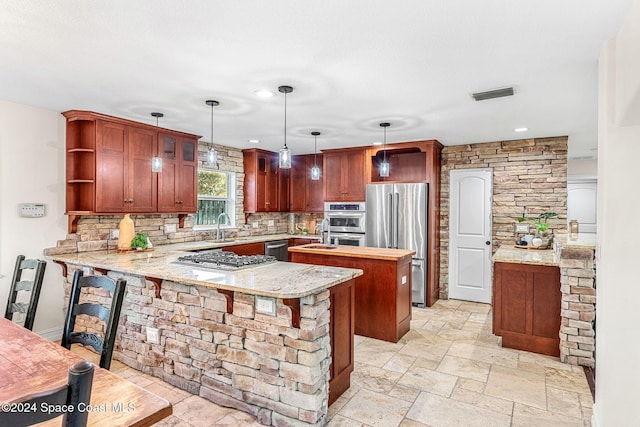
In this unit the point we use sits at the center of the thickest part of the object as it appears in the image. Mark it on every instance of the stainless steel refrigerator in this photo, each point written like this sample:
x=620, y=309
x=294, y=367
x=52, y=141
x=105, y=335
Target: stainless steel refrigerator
x=397, y=218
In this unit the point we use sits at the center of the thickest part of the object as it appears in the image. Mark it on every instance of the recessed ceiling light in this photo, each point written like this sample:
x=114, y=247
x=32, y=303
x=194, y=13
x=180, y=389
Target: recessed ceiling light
x=377, y=143
x=254, y=141
x=264, y=93
x=521, y=129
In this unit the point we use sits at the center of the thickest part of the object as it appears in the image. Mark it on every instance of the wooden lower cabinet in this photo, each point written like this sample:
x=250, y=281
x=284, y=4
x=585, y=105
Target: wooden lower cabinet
x=526, y=307
x=382, y=293
x=341, y=331
x=246, y=249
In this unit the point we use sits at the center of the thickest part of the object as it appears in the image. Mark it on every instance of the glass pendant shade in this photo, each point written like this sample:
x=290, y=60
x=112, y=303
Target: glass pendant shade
x=285, y=153
x=384, y=169
x=285, y=158
x=315, y=173
x=156, y=164
x=212, y=156
x=315, y=170
x=384, y=165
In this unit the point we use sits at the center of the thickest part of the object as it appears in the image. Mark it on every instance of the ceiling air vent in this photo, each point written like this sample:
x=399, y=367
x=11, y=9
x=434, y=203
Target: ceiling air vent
x=490, y=94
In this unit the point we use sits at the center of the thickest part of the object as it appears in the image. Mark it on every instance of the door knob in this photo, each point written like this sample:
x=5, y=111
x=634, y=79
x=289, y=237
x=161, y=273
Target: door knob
x=488, y=243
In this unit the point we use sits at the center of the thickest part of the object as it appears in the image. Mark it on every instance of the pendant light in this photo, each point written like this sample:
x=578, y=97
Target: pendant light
x=384, y=166
x=212, y=154
x=156, y=162
x=285, y=153
x=315, y=170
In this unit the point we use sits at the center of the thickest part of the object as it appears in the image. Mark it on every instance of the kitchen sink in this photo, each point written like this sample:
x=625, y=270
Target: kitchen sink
x=227, y=240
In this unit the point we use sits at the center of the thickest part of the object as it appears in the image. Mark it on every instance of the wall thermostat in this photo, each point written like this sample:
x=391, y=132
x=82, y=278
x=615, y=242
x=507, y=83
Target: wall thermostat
x=32, y=210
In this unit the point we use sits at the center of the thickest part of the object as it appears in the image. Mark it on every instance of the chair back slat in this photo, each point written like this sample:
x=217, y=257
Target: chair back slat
x=102, y=282
x=24, y=285
x=92, y=309
x=32, y=286
x=19, y=307
x=29, y=263
x=85, y=338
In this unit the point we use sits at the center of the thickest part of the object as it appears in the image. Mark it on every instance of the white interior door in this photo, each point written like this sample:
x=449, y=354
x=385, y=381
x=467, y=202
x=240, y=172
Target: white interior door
x=581, y=204
x=470, y=234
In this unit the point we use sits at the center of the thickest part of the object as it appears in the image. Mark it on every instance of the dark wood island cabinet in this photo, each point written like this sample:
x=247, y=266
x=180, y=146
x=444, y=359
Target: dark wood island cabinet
x=527, y=306
x=382, y=293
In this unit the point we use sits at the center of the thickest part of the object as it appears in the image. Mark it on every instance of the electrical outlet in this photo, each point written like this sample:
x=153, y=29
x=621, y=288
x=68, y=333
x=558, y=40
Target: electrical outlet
x=169, y=228
x=153, y=335
x=522, y=228
x=266, y=305
x=271, y=223
x=254, y=224
x=115, y=233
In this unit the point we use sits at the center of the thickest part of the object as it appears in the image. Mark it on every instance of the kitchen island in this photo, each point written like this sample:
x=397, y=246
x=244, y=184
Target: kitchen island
x=382, y=293
x=255, y=339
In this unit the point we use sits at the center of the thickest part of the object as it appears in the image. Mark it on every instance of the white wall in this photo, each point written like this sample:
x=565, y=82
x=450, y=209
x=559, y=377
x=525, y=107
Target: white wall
x=32, y=170
x=582, y=168
x=618, y=283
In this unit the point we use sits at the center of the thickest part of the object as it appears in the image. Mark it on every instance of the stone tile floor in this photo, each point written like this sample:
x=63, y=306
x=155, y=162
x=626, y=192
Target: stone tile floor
x=449, y=370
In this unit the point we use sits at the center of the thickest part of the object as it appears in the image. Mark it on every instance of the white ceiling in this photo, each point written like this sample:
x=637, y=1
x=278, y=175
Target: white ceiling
x=352, y=63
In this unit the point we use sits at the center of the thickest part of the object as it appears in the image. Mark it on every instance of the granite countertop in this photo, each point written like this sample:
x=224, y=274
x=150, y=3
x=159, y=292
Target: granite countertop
x=581, y=241
x=511, y=254
x=279, y=279
x=354, y=251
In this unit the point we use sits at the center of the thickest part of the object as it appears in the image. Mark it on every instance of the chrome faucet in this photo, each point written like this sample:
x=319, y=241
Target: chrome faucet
x=223, y=214
x=326, y=228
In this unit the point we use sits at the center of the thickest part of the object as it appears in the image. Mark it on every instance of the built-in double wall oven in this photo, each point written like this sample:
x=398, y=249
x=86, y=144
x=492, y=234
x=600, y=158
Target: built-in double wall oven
x=347, y=222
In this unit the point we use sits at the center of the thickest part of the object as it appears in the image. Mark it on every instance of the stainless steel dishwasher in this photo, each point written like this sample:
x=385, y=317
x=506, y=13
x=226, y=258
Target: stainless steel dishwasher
x=277, y=248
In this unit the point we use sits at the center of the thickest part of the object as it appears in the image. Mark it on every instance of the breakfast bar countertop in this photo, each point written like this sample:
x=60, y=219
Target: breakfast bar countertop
x=511, y=254
x=277, y=279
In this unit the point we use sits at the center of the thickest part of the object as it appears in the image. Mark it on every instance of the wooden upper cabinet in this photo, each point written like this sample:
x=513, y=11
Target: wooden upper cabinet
x=124, y=181
x=178, y=181
x=306, y=195
x=314, y=195
x=265, y=184
x=108, y=167
x=344, y=175
x=415, y=161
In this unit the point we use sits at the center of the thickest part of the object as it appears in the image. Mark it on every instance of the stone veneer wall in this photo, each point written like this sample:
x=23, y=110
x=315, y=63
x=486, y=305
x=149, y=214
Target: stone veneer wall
x=253, y=362
x=94, y=232
x=578, y=310
x=529, y=177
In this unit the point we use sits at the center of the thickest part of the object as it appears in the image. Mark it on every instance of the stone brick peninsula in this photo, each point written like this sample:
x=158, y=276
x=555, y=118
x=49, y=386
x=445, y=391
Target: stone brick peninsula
x=255, y=339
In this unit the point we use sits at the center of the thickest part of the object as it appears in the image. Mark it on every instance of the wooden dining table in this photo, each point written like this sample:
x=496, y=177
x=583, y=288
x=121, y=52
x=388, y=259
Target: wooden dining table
x=31, y=364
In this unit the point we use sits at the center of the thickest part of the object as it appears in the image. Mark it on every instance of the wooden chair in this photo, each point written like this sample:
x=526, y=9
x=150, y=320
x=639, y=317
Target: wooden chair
x=33, y=286
x=77, y=391
x=103, y=345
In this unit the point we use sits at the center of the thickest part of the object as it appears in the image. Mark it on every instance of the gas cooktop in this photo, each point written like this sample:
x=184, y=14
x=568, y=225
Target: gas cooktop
x=222, y=260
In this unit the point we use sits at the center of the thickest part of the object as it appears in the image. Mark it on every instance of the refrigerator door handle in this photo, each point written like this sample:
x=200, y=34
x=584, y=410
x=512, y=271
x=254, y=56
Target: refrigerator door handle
x=396, y=208
x=391, y=221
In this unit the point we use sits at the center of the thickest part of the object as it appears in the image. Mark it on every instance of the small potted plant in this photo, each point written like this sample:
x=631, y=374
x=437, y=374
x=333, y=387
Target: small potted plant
x=542, y=227
x=140, y=242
